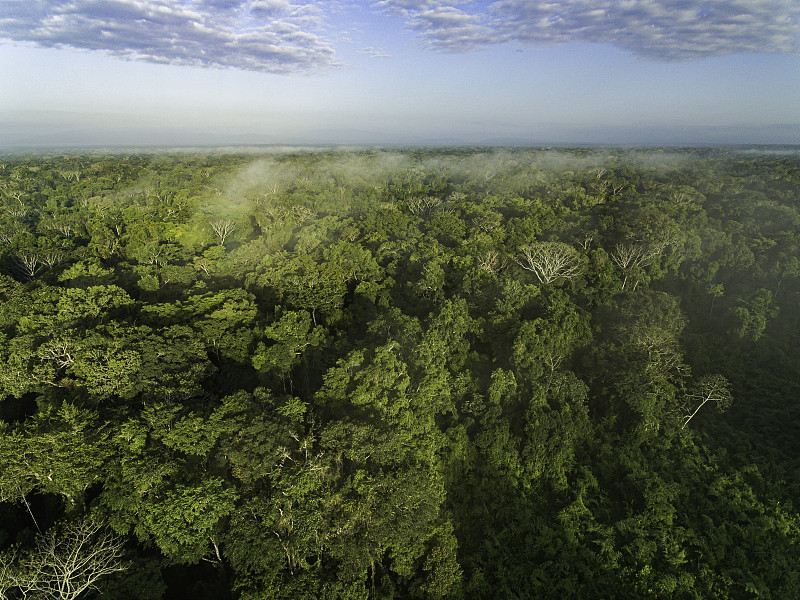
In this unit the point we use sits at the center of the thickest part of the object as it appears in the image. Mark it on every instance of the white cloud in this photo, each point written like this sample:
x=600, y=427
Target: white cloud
x=668, y=30
x=450, y=29
x=274, y=36
x=268, y=8
x=404, y=8
x=375, y=52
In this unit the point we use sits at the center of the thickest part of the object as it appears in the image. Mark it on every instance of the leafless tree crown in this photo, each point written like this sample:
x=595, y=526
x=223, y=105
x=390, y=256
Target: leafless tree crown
x=712, y=388
x=64, y=564
x=550, y=261
x=223, y=229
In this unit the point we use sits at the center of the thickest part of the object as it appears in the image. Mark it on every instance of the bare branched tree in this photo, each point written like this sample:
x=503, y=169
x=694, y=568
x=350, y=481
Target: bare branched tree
x=492, y=262
x=631, y=254
x=662, y=349
x=204, y=265
x=712, y=388
x=679, y=197
x=456, y=197
x=52, y=258
x=27, y=263
x=64, y=564
x=65, y=228
x=70, y=175
x=489, y=221
x=18, y=210
x=59, y=351
x=716, y=290
x=302, y=213
x=424, y=206
x=223, y=229
x=7, y=235
x=8, y=576
x=635, y=255
x=550, y=261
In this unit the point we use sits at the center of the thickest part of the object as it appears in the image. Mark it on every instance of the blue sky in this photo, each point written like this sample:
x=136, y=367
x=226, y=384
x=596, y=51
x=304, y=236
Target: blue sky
x=186, y=72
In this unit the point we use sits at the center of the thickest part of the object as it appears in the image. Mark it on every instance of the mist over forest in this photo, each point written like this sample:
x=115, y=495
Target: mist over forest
x=375, y=373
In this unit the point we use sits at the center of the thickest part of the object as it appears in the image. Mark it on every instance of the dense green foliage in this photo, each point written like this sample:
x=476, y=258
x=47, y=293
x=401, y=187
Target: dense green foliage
x=423, y=374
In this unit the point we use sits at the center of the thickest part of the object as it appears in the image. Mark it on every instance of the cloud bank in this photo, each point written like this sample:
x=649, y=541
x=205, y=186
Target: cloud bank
x=282, y=36
x=666, y=30
x=273, y=36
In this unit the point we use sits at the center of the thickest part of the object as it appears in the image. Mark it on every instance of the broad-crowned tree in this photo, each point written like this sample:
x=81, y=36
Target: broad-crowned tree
x=66, y=562
x=550, y=261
